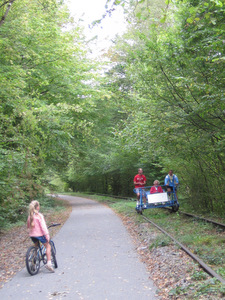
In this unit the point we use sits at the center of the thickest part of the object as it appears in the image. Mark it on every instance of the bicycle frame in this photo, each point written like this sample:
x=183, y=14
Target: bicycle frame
x=41, y=248
x=41, y=252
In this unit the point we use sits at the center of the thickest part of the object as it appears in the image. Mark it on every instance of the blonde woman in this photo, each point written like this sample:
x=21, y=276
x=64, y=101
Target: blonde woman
x=38, y=230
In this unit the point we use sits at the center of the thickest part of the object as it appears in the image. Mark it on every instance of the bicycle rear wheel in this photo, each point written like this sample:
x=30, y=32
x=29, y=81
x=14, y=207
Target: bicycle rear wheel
x=32, y=261
x=53, y=256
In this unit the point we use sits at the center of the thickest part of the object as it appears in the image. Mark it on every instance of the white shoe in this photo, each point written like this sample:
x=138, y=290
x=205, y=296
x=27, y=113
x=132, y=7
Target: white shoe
x=50, y=268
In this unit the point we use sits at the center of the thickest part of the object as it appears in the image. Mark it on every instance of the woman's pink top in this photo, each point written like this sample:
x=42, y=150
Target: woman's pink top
x=157, y=189
x=39, y=228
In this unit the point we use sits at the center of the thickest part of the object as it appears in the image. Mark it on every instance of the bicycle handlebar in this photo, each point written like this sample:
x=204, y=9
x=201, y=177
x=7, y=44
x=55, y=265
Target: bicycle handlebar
x=162, y=185
x=54, y=224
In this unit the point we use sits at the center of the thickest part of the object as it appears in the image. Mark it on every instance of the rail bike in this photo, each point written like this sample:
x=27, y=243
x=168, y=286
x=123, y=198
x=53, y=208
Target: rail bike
x=157, y=200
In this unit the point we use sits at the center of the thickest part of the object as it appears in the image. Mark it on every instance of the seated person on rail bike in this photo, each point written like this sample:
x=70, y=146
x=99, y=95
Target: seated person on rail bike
x=139, y=183
x=156, y=188
x=171, y=182
x=38, y=230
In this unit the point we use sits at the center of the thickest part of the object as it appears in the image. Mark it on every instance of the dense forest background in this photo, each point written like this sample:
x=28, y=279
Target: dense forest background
x=67, y=124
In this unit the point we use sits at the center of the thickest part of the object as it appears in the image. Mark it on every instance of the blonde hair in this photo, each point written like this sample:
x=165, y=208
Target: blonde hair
x=33, y=210
x=156, y=181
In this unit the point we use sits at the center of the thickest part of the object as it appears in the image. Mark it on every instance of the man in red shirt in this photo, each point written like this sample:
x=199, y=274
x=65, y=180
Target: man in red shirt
x=139, y=183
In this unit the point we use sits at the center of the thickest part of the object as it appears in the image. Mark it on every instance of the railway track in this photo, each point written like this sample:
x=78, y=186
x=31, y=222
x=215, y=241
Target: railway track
x=180, y=212
x=203, y=219
x=204, y=266
x=209, y=270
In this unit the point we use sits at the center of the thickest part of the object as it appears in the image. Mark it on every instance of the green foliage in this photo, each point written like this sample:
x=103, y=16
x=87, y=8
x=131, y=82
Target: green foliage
x=16, y=211
x=199, y=275
x=161, y=241
x=45, y=98
x=159, y=106
x=171, y=84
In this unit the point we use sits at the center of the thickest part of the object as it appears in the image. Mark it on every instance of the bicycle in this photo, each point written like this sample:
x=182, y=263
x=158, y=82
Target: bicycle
x=35, y=255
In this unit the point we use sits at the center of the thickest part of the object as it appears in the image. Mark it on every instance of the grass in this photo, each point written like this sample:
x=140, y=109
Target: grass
x=160, y=241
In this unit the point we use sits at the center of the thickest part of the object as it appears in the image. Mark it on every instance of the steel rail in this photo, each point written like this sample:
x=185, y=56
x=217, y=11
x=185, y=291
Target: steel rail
x=181, y=212
x=195, y=257
x=204, y=219
x=199, y=218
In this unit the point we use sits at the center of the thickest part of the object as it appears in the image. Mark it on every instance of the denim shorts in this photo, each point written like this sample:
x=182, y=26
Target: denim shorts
x=139, y=191
x=42, y=239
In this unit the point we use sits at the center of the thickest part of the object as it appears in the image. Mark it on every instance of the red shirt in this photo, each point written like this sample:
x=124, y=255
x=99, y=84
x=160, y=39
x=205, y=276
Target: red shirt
x=153, y=190
x=139, y=178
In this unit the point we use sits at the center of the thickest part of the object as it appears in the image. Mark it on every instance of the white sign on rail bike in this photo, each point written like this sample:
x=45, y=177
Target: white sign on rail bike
x=157, y=197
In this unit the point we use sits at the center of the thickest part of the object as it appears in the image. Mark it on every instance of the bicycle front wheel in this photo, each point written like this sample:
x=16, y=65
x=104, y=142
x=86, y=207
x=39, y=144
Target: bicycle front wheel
x=53, y=256
x=53, y=246
x=32, y=261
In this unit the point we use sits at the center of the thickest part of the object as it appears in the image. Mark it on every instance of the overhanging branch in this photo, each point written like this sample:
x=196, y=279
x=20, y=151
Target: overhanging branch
x=9, y=4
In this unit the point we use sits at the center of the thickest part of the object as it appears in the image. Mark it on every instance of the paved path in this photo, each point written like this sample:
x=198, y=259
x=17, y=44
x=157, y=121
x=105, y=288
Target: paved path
x=96, y=258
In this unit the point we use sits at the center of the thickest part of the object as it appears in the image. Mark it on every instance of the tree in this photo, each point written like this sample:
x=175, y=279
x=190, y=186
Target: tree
x=45, y=97
x=174, y=78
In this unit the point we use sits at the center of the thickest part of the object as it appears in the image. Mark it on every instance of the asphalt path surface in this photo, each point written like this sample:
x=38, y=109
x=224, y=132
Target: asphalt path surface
x=96, y=260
